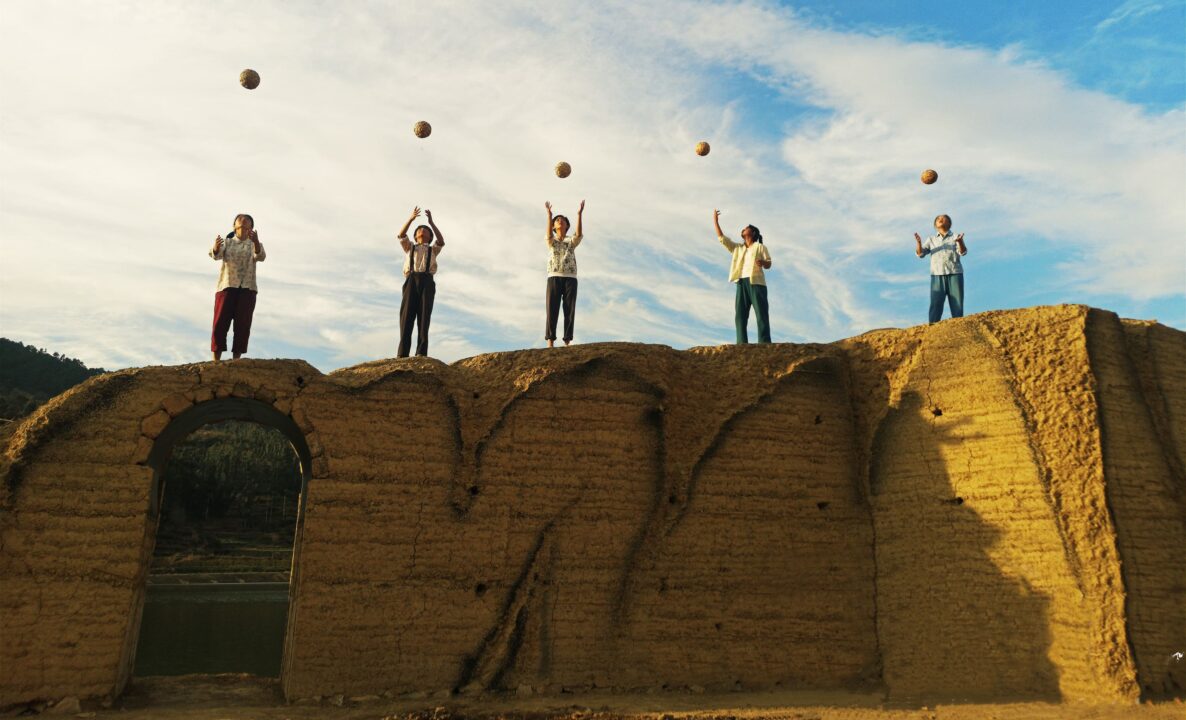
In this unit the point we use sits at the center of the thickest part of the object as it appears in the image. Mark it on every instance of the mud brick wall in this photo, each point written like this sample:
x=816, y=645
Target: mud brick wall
x=1142, y=429
x=990, y=507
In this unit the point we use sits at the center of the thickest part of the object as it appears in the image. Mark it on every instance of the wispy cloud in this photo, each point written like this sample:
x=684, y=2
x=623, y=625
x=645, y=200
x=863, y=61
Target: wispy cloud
x=127, y=145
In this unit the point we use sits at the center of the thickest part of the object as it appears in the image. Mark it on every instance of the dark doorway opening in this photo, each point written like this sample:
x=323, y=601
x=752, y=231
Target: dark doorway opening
x=229, y=490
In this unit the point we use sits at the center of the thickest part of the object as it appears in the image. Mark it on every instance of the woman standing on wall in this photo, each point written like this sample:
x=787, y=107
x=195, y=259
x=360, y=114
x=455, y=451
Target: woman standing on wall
x=947, y=272
x=234, y=300
x=562, y=274
x=420, y=287
x=746, y=271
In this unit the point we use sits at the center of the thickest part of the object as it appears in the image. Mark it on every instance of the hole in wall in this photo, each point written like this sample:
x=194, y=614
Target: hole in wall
x=480, y=589
x=474, y=490
x=823, y=504
x=229, y=504
x=477, y=395
x=717, y=626
x=818, y=419
x=955, y=501
x=300, y=381
x=936, y=412
x=671, y=499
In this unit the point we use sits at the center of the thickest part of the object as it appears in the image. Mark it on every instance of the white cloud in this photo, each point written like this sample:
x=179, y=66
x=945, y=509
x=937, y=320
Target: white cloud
x=127, y=144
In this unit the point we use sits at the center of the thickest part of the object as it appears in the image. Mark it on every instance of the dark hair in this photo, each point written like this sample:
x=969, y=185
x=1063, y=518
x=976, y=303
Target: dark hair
x=567, y=224
x=431, y=236
x=241, y=216
x=943, y=217
x=757, y=232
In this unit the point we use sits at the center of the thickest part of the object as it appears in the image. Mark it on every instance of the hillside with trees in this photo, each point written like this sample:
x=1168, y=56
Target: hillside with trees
x=29, y=376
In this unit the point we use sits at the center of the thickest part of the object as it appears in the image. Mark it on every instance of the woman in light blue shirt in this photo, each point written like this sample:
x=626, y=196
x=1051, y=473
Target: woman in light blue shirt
x=947, y=273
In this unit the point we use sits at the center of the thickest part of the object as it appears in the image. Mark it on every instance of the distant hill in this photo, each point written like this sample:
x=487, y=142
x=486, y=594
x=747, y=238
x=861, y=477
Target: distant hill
x=29, y=376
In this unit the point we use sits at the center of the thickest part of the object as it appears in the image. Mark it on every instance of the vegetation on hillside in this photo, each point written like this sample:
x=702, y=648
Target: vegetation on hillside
x=230, y=501
x=29, y=376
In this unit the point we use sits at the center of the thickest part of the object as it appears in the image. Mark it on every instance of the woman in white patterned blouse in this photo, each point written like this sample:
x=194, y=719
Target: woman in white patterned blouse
x=234, y=300
x=562, y=274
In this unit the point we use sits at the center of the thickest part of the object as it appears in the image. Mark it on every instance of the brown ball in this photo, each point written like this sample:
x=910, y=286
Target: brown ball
x=249, y=79
x=702, y=148
x=563, y=169
x=422, y=129
x=929, y=176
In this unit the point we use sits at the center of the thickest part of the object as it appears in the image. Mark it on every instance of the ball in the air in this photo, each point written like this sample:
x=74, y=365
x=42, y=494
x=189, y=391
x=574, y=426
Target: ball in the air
x=702, y=148
x=249, y=79
x=929, y=177
x=563, y=169
x=422, y=129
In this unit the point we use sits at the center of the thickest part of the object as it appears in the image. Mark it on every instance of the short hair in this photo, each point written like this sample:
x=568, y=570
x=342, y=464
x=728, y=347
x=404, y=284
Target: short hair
x=942, y=217
x=427, y=229
x=567, y=224
x=241, y=216
x=757, y=233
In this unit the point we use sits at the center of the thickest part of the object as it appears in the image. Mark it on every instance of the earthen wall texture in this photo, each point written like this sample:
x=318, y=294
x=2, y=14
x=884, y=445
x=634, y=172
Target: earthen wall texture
x=987, y=508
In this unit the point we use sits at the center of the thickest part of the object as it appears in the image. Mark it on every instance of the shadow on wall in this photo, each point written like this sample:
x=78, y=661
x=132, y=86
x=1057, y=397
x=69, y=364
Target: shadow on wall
x=952, y=626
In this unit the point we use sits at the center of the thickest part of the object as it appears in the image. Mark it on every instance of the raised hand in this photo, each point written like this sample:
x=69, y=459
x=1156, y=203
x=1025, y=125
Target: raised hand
x=581, y=209
x=959, y=238
x=217, y=243
x=428, y=214
x=548, y=205
x=415, y=212
x=917, y=237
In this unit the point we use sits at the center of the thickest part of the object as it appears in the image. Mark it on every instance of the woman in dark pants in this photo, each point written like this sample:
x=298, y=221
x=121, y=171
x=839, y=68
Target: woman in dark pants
x=420, y=289
x=562, y=274
x=234, y=300
x=747, y=271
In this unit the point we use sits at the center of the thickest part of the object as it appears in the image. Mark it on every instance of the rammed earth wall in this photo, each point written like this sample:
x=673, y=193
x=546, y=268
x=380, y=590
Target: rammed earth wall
x=990, y=507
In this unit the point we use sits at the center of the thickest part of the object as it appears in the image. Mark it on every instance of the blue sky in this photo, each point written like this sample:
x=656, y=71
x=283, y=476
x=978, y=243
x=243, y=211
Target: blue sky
x=126, y=144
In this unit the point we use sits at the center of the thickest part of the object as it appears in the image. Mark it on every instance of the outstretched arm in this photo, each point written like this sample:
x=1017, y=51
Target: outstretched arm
x=435, y=230
x=548, y=205
x=576, y=239
x=403, y=233
x=716, y=222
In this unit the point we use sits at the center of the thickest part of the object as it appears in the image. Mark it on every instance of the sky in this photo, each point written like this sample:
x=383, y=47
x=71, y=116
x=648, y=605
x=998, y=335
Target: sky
x=127, y=144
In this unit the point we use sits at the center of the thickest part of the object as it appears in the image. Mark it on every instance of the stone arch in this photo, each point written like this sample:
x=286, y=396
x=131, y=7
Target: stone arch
x=181, y=426
x=221, y=410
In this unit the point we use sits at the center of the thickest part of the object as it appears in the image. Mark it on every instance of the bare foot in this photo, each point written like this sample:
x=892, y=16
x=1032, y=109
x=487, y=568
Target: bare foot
x=217, y=356
x=551, y=343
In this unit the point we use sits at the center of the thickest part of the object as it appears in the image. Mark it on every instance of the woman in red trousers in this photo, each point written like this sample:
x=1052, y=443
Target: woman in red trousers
x=234, y=301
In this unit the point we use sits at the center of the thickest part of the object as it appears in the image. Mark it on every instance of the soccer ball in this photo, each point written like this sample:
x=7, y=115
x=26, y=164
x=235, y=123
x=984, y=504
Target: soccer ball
x=702, y=148
x=422, y=129
x=929, y=177
x=249, y=79
x=563, y=169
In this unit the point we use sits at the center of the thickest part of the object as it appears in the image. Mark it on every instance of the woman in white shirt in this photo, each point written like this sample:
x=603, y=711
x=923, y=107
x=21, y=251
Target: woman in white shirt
x=420, y=287
x=562, y=274
x=746, y=271
x=234, y=300
x=947, y=272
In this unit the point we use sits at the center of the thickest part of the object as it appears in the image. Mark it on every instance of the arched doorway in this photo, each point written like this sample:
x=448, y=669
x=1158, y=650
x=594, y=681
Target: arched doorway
x=216, y=611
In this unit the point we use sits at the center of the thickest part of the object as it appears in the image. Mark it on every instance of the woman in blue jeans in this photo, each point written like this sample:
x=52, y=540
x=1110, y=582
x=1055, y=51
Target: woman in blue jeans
x=947, y=273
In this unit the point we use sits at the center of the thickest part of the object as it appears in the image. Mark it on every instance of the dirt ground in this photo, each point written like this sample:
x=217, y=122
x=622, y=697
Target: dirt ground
x=233, y=697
